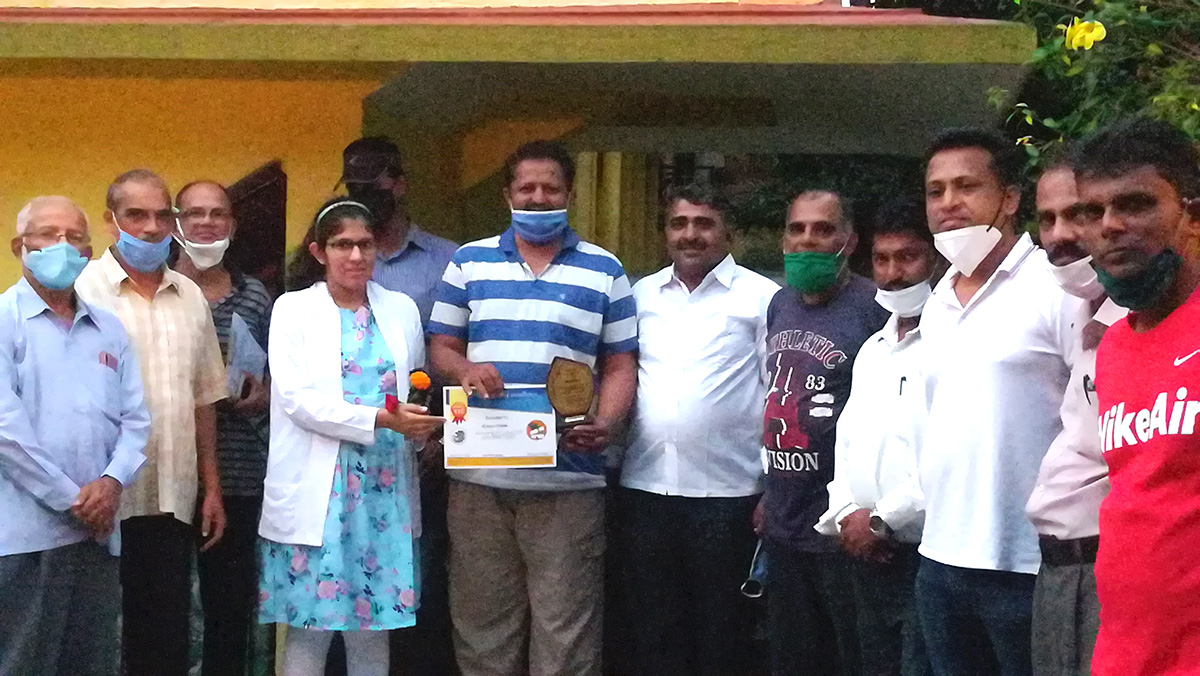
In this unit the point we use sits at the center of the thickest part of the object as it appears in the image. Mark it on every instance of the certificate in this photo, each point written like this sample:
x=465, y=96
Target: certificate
x=516, y=429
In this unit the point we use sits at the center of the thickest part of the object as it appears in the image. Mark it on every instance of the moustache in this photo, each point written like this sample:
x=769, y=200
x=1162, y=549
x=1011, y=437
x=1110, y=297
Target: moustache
x=1066, y=252
x=539, y=206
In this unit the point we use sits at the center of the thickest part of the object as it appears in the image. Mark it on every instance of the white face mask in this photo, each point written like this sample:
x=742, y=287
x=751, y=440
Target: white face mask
x=1078, y=278
x=204, y=256
x=966, y=248
x=907, y=302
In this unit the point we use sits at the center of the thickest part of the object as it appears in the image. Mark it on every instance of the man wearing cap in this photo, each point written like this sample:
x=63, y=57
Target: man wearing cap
x=411, y=261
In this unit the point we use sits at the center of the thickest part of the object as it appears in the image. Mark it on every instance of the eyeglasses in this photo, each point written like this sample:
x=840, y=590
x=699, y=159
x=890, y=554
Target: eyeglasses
x=366, y=246
x=199, y=214
x=163, y=216
x=48, y=237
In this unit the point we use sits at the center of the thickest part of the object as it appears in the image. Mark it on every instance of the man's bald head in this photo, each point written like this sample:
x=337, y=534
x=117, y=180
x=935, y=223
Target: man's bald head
x=46, y=221
x=835, y=203
x=115, y=194
x=39, y=205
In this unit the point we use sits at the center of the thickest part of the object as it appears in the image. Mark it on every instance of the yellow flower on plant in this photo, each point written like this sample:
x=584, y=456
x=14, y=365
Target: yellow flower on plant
x=1084, y=34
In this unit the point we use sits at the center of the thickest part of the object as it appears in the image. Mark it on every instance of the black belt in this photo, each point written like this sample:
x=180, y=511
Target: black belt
x=1057, y=552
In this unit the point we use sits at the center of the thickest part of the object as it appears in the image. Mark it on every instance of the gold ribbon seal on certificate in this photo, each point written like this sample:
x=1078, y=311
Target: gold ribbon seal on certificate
x=570, y=388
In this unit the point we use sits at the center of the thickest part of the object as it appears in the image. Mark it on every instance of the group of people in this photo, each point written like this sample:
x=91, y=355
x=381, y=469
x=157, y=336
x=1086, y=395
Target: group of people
x=947, y=469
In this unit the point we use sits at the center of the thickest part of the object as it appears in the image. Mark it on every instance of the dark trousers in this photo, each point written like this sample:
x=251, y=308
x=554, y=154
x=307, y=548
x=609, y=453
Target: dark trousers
x=59, y=611
x=427, y=649
x=888, y=629
x=229, y=588
x=687, y=560
x=975, y=621
x=617, y=624
x=810, y=603
x=156, y=555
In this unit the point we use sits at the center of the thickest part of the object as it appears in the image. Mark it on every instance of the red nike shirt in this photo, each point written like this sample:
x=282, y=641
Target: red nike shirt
x=1148, y=568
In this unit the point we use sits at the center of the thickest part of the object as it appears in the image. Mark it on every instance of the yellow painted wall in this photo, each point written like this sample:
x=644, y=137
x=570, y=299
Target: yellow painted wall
x=72, y=135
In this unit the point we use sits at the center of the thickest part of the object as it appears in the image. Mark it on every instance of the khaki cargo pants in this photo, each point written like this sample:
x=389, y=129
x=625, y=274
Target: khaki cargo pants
x=526, y=580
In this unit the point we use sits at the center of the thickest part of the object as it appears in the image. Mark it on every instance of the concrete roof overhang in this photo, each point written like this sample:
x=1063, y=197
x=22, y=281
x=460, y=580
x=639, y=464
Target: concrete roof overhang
x=752, y=77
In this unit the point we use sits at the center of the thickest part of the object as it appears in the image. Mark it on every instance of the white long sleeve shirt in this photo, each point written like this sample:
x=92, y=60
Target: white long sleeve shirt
x=1073, y=480
x=879, y=437
x=995, y=371
x=697, y=422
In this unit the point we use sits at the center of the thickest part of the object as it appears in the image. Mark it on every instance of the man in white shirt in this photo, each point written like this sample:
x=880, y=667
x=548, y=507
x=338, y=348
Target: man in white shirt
x=692, y=474
x=875, y=504
x=999, y=339
x=1073, y=481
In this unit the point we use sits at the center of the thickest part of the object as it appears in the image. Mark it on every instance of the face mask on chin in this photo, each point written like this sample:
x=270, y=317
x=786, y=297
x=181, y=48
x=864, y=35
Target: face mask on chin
x=966, y=248
x=1078, y=278
x=204, y=256
x=141, y=255
x=1141, y=290
x=906, y=302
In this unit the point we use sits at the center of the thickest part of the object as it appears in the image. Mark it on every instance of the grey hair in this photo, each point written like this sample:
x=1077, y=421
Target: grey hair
x=25, y=215
x=845, y=205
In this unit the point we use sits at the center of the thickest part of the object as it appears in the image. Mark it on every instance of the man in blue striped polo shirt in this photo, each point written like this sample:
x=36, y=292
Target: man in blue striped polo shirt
x=526, y=545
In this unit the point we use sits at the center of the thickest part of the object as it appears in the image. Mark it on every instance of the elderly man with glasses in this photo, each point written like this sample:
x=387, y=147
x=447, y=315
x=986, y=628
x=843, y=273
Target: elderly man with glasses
x=73, y=425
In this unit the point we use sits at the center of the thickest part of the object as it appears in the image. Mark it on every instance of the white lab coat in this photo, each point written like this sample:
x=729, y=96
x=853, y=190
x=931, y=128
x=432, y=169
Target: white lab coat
x=309, y=416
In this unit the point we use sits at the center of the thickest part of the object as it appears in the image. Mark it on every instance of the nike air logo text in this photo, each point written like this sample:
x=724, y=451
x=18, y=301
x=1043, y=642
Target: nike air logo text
x=1180, y=360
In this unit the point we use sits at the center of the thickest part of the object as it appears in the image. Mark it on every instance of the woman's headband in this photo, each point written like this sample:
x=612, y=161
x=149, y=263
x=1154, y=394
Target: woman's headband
x=342, y=203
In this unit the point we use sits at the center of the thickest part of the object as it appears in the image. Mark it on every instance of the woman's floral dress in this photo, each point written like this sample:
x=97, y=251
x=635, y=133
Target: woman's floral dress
x=363, y=576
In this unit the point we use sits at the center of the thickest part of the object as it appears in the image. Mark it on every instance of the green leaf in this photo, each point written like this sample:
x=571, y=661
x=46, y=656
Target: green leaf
x=1153, y=49
x=1050, y=123
x=1075, y=70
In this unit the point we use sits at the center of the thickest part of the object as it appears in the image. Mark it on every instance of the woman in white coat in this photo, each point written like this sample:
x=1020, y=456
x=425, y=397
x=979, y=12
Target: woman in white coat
x=338, y=544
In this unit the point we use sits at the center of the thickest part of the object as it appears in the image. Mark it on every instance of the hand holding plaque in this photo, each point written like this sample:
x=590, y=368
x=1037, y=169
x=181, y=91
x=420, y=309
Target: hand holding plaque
x=571, y=389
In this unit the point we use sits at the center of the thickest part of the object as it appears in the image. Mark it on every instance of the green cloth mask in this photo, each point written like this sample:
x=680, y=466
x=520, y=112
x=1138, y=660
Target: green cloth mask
x=1143, y=289
x=811, y=271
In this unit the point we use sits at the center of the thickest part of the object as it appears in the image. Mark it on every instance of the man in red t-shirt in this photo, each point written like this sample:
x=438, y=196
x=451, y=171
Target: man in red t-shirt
x=1139, y=192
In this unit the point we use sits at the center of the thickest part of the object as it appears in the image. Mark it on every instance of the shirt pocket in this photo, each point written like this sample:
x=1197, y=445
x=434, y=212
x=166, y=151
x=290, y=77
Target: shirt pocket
x=736, y=342
x=101, y=380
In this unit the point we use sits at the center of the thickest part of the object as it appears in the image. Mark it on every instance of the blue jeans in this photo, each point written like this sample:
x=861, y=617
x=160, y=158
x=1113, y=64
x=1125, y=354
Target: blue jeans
x=975, y=621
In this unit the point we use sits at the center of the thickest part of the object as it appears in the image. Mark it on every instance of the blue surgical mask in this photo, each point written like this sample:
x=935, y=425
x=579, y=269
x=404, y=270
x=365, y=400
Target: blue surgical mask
x=539, y=227
x=54, y=267
x=143, y=256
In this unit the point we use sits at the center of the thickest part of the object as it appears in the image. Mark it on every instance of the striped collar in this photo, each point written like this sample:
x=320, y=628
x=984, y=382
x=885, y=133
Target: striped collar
x=508, y=242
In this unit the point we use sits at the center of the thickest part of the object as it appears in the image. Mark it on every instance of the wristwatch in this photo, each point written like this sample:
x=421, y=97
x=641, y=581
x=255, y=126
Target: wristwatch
x=879, y=528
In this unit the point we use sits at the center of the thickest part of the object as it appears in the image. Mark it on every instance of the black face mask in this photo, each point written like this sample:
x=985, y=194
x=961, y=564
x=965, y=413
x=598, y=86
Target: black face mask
x=382, y=203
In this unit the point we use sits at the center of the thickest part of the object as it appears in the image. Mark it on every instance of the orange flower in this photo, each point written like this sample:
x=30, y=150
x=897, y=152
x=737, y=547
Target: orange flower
x=419, y=380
